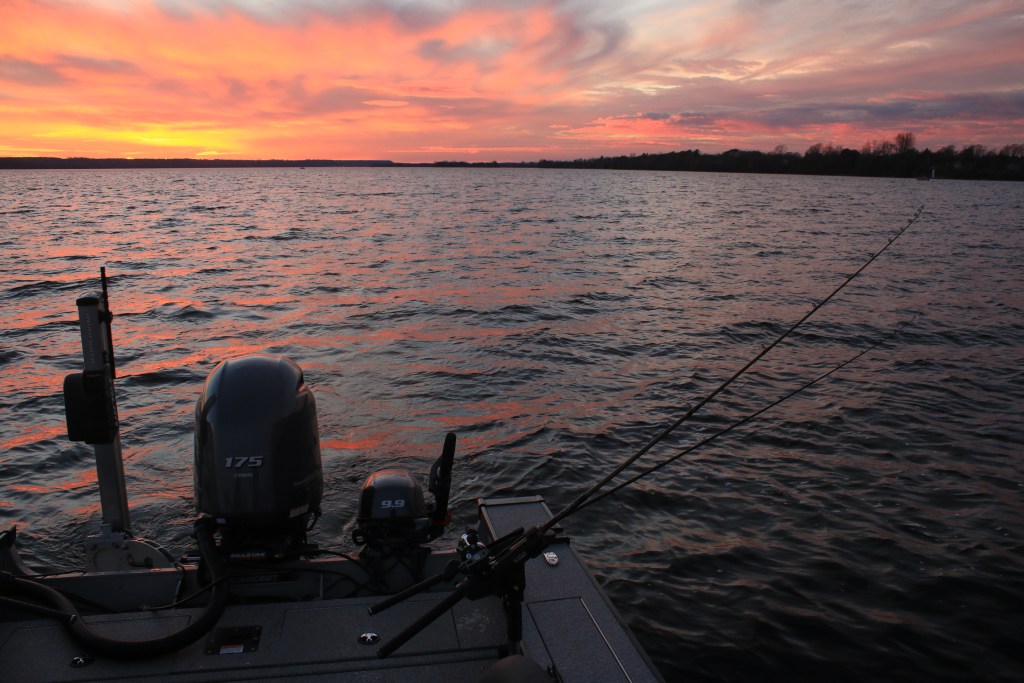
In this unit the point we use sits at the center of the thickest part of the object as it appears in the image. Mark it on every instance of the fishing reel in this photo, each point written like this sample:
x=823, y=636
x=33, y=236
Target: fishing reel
x=394, y=517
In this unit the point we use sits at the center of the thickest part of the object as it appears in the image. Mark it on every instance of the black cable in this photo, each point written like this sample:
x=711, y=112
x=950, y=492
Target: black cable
x=342, y=576
x=134, y=649
x=187, y=598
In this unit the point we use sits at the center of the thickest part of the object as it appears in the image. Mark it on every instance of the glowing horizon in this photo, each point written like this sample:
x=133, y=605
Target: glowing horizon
x=500, y=80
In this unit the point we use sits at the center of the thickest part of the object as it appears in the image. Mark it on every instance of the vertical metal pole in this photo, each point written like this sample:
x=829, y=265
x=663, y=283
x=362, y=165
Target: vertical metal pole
x=97, y=352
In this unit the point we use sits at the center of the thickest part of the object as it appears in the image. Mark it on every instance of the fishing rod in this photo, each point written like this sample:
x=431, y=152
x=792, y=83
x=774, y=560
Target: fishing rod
x=739, y=423
x=595, y=488
x=498, y=568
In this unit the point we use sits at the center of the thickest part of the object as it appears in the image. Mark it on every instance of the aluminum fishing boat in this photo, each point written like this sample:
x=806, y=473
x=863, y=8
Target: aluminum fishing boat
x=510, y=601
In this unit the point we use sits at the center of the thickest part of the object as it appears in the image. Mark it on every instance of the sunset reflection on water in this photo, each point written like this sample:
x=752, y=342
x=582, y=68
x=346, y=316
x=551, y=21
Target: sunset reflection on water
x=556, y=321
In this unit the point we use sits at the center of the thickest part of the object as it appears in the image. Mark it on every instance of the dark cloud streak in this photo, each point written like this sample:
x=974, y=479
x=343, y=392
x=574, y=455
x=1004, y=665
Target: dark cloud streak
x=975, y=107
x=30, y=73
x=110, y=66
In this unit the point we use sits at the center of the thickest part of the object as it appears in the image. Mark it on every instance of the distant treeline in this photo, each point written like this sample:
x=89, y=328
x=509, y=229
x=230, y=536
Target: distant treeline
x=83, y=162
x=892, y=158
x=898, y=158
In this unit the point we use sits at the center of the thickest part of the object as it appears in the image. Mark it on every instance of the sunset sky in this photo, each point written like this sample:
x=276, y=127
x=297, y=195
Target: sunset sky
x=506, y=80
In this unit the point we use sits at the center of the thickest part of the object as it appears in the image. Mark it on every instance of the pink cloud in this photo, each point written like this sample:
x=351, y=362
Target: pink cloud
x=516, y=80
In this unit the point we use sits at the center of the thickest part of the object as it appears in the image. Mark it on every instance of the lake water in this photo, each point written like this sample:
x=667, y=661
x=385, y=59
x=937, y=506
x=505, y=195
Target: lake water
x=869, y=529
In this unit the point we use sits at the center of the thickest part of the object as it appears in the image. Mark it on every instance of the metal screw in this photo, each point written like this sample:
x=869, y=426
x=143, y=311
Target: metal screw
x=81, y=660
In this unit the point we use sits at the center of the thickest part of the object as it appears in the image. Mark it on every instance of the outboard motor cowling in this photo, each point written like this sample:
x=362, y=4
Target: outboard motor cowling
x=392, y=512
x=394, y=518
x=257, y=449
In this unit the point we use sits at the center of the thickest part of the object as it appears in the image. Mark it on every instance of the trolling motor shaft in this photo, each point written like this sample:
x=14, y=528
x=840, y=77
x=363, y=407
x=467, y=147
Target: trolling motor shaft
x=90, y=408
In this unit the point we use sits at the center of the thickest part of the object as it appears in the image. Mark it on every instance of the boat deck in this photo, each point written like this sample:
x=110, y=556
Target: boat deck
x=569, y=626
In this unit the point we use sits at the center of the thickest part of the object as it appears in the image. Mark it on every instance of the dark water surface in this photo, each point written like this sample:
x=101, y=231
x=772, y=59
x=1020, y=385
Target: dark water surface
x=869, y=529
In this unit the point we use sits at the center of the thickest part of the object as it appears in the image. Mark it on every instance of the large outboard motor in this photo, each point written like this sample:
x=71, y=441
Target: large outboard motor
x=257, y=454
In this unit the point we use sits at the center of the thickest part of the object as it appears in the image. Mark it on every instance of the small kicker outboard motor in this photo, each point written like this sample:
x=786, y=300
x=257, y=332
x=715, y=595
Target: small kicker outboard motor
x=393, y=517
x=257, y=455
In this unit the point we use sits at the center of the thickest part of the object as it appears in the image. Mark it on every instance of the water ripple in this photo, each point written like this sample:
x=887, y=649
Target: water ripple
x=868, y=530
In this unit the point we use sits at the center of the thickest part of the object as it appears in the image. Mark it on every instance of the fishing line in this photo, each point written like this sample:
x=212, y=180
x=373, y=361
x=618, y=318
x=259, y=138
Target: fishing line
x=595, y=488
x=740, y=423
x=500, y=568
x=14, y=603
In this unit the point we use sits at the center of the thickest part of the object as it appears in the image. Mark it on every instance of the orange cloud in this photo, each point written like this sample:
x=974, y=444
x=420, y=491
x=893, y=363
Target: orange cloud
x=510, y=79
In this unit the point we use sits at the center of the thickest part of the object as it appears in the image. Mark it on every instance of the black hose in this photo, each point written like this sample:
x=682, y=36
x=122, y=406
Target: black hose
x=138, y=649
